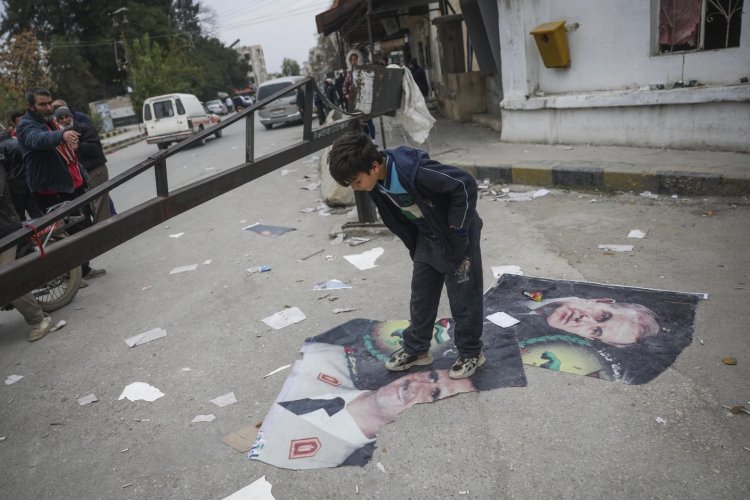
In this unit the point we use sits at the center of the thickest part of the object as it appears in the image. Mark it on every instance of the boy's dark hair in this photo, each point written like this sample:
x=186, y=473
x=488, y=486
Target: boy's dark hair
x=351, y=155
x=35, y=91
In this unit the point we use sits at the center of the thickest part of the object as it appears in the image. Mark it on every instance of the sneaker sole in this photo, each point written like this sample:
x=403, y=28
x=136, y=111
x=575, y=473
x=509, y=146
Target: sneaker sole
x=459, y=376
x=419, y=362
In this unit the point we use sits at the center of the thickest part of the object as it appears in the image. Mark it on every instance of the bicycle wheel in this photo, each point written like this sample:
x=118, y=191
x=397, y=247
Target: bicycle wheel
x=60, y=291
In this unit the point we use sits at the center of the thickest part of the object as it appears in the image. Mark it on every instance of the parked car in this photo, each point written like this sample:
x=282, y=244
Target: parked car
x=173, y=117
x=242, y=101
x=282, y=110
x=216, y=106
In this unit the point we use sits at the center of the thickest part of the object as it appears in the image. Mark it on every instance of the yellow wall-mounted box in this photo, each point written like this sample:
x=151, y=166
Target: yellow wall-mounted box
x=553, y=44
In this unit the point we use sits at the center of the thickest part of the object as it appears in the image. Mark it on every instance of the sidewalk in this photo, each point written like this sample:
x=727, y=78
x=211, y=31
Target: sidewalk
x=126, y=136
x=665, y=171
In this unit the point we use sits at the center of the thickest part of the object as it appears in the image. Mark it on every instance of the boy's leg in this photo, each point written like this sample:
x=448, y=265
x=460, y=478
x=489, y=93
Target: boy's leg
x=426, y=287
x=466, y=296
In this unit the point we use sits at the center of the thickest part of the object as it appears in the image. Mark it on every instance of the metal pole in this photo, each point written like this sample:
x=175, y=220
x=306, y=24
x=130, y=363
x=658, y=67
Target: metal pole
x=250, y=138
x=162, y=184
x=307, y=118
x=369, y=29
x=382, y=132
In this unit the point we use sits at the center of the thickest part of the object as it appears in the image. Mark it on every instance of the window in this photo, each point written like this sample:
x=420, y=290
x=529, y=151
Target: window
x=163, y=109
x=688, y=25
x=180, y=107
x=146, y=112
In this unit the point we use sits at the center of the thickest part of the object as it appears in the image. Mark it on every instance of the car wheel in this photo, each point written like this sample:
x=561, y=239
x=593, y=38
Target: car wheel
x=268, y=126
x=218, y=134
x=162, y=145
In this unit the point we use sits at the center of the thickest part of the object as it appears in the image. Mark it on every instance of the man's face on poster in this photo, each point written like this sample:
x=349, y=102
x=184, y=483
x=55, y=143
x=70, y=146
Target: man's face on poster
x=599, y=319
x=419, y=387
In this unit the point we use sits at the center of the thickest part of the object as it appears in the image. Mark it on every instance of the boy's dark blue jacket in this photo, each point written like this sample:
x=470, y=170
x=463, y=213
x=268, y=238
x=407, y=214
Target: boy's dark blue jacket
x=446, y=195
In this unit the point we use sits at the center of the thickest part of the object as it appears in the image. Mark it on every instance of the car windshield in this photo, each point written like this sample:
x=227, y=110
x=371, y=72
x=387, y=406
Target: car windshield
x=267, y=90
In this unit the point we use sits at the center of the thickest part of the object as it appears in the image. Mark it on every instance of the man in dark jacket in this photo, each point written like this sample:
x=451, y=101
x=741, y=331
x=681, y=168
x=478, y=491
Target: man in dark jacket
x=91, y=155
x=420, y=77
x=431, y=207
x=77, y=115
x=27, y=305
x=53, y=172
x=23, y=199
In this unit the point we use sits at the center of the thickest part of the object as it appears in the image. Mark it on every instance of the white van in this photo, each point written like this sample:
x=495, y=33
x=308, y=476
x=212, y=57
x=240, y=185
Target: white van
x=174, y=117
x=282, y=110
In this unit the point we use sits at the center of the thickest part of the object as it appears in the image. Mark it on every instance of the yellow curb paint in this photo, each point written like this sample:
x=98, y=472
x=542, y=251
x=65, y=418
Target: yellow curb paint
x=532, y=175
x=630, y=181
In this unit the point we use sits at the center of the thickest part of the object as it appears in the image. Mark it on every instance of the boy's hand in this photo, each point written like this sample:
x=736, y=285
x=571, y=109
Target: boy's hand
x=462, y=271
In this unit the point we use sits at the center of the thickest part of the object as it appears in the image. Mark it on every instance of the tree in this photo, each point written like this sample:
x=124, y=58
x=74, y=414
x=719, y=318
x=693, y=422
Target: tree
x=23, y=64
x=154, y=70
x=222, y=70
x=289, y=67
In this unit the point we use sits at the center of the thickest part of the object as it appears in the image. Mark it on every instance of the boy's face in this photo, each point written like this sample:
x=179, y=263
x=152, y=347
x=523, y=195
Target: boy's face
x=366, y=181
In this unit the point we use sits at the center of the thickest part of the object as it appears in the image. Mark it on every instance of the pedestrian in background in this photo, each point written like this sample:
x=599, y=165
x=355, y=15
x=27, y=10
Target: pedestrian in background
x=420, y=77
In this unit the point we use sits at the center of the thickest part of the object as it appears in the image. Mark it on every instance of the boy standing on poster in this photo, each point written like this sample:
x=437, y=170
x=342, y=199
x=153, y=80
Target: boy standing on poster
x=432, y=208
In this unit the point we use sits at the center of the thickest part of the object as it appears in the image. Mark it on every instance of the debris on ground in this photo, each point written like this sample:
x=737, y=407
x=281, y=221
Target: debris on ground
x=87, y=399
x=737, y=409
x=344, y=310
x=176, y=235
x=284, y=318
x=535, y=296
x=380, y=467
x=203, y=418
x=365, y=260
x=184, y=269
x=502, y=319
x=498, y=271
x=710, y=213
x=330, y=285
x=660, y=420
x=142, y=338
x=636, y=233
x=224, y=400
x=257, y=490
x=356, y=241
x=729, y=361
x=616, y=248
x=313, y=254
x=265, y=230
x=277, y=370
x=12, y=379
x=259, y=269
x=60, y=324
x=141, y=391
x=649, y=194
x=242, y=439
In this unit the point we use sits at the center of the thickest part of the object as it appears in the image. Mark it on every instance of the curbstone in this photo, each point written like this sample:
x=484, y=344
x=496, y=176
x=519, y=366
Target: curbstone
x=577, y=175
x=689, y=183
x=533, y=175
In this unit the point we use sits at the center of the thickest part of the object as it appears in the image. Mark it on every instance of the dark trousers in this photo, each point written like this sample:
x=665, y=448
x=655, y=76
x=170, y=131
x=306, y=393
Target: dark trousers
x=48, y=200
x=24, y=201
x=465, y=295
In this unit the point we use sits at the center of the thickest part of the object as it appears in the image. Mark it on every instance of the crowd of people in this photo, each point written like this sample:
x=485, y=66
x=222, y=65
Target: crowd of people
x=50, y=154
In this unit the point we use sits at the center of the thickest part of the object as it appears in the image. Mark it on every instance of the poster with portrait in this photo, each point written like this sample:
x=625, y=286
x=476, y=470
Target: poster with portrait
x=615, y=333
x=339, y=394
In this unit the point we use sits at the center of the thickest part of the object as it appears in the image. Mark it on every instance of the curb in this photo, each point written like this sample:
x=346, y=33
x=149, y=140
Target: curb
x=612, y=177
x=114, y=146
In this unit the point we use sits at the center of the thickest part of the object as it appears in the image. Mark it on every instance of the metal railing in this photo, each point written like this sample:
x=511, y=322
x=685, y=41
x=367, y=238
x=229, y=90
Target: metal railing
x=28, y=273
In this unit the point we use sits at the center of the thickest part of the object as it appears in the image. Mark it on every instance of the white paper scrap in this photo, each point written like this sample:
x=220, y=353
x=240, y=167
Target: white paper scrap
x=281, y=319
x=649, y=194
x=636, y=233
x=539, y=193
x=258, y=490
x=277, y=370
x=617, y=248
x=182, y=269
x=380, y=467
x=87, y=399
x=224, y=400
x=141, y=391
x=176, y=235
x=660, y=420
x=207, y=262
x=330, y=285
x=340, y=310
x=498, y=271
x=60, y=324
x=12, y=379
x=142, y=338
x=502, y=319
x=203, y=418
x=365, y=260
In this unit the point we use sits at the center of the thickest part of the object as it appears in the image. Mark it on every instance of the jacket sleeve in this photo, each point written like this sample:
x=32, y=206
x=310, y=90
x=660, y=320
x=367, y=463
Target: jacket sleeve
x=32, y=137
x=460, y=188
x=89, y=144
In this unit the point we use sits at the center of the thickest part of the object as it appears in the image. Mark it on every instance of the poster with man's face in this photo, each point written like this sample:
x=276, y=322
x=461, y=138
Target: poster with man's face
x=340, y=393
x=616, y=333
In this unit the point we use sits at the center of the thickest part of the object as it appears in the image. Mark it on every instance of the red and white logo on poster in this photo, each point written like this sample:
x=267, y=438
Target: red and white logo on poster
x=328, y=379
x=304, y=448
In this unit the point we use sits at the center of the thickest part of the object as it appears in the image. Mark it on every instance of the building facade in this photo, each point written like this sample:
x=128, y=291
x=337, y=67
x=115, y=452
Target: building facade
x=257, y=73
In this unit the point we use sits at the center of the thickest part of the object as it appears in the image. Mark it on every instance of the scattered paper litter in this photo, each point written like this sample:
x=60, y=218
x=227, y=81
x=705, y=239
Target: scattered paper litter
x=203, y=418
x=3, y=438
x=12, y=379
x=207, y=262
x=340, y=310
x=87, y=399
x=141, y=391
x=58, y=325
x=224, y=400
x=259, y=269
x=502, y=319
x=284, y=318
x=312, y=186
x=330, y=285
x=498, y=271
x=365, y=260
x=356, y=241
x=176, y=235
x=649, y=194
x=636, y=233
x=147, y=287
x=142, y=338
x=617, y=248
x=182, y=269
x=660, y=420
x=287, y=171
x=186, y=369
x=277, y=370
x=539, y=193
x=380, y=467
x=258, y=490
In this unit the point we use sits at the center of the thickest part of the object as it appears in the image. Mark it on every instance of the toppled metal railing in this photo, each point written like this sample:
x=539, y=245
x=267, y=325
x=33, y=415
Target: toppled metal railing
x=382, y=95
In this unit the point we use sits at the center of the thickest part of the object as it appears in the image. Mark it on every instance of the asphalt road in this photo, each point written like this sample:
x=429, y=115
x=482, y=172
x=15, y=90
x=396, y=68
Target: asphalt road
x=562, y=436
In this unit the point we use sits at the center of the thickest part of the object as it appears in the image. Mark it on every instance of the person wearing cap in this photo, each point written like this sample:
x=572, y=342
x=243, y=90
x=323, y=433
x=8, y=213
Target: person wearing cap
x=91, y=155
x=77, y=115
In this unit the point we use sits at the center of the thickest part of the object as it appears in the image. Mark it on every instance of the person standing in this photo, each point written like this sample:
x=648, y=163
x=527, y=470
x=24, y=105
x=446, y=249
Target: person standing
x=420, y=77
x=431, y=207
x=91, y=155
x=27, y=305
x=23, y=200
x=53, y=172
x=79, y=117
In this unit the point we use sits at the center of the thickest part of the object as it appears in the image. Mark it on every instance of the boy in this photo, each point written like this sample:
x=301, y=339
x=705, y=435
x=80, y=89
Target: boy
x=432, y=208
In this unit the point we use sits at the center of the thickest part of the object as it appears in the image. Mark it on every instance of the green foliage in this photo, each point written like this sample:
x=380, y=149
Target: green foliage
x=154, y=70
x=71, y=75
x=23, y=64
x=289, y=67
x=220, y=67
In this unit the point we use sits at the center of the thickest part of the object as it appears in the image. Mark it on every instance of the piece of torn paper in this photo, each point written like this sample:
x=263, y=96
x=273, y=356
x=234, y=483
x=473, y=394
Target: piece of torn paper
x=60, y=324
x=356, y=241
x=330, y=285
x=265, y=230
x=636, y=233
x=258, y=490
x=539, y=193
x=183, y=269
x=87, y=399
x=498, y=271
x=142, y=338
x=259, y=269
x=502, y=319
x=340, y=310
x=141, y=391
x=281, y=319
x=176, y=235
x=224, y=400
x=277, y=370
x=242, y=440
x=616, y=248
x=12, y=379
x=365, y=260
x=203, y=418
